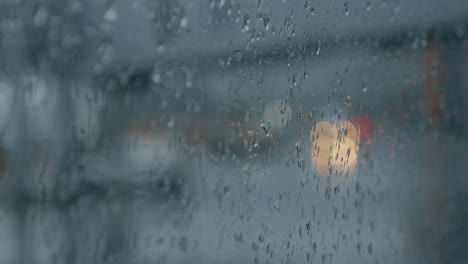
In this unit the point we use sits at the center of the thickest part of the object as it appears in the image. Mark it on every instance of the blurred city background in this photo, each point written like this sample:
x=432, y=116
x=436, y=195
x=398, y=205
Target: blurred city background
x=233, y=131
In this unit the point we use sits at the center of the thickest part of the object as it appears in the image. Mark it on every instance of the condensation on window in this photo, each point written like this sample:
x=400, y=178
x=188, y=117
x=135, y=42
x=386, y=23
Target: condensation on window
x=222, y=131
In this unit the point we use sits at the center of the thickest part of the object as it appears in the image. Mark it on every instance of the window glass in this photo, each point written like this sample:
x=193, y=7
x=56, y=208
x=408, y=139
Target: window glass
x=222, y=131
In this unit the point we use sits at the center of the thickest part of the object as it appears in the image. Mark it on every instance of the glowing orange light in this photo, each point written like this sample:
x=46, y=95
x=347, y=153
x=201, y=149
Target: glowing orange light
x=335, y=147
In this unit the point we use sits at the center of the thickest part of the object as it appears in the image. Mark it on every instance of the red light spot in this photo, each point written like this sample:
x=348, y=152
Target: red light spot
x=364, y=124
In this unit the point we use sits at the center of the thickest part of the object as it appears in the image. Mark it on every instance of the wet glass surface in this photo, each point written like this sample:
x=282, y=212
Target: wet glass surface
x=221, y=131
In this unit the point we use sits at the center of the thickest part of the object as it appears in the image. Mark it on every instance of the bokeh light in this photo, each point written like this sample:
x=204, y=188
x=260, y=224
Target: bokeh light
x=335, y=147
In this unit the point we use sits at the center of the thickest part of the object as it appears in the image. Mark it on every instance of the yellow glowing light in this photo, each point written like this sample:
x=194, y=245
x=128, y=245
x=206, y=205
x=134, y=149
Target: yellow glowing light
x=335, y=147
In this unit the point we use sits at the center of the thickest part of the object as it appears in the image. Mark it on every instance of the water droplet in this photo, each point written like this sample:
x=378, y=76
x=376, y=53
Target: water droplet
x=255, y=246
x=156, y=77
x=184, y=22
x=276, y=205
x=266, y=23
x=106, y=52
x=261, y=238
x=221, y=3
x=312, y=10
x=41, y=17
x=111, y=14
x=346, y=9
x=237, y=55
x=246, y=24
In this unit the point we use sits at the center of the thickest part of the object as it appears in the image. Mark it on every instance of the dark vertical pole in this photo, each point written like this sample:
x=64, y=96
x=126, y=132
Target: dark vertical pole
x=454, y=108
